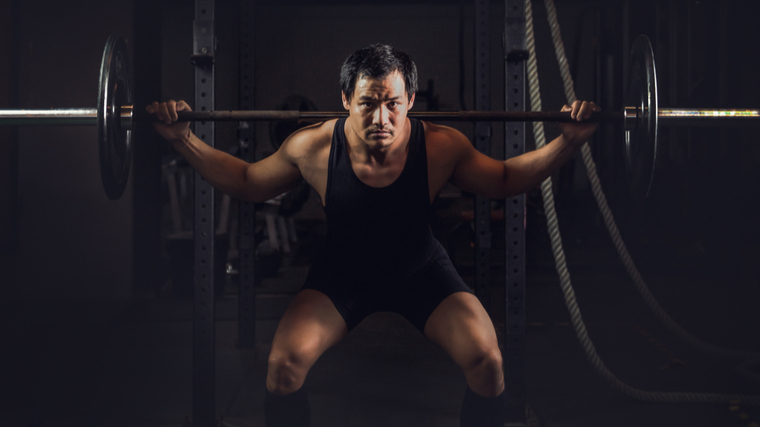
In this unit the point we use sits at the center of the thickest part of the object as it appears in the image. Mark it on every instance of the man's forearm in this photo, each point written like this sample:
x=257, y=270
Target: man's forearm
x=224, y=172
x=528, y=170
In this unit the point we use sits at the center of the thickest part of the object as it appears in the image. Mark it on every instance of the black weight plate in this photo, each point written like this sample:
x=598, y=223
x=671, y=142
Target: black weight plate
x=641, y=142
x=114, y=136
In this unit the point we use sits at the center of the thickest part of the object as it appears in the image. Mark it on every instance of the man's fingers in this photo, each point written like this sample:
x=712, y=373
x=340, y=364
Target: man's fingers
x=167, y=111
x=574, y=109
x=163, y=113
x=182, y=106
x=591, y=108
x=585, y=111
x=155, y=108
x=582, y=110
x=171, y=107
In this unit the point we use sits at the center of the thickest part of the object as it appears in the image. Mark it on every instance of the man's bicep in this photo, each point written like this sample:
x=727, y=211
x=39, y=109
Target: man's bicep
x=480, y=174
x=272, y=176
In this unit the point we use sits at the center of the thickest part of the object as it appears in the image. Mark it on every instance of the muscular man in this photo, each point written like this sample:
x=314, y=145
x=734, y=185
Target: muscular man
x=377, y=172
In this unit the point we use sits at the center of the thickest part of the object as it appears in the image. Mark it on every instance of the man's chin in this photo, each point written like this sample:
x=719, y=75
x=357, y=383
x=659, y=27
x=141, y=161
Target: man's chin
x=380, y=143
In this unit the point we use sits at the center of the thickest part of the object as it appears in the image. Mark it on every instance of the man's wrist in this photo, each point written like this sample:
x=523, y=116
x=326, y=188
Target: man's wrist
x=571, y=141
x=183, y=141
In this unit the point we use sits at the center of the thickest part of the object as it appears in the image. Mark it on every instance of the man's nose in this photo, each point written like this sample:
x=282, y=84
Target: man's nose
x=381, y=115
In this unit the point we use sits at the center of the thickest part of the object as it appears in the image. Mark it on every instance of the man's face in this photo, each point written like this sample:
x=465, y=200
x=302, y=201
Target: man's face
x=377, y=110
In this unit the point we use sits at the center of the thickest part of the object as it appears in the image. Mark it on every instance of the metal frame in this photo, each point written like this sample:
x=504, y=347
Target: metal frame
x=516, y=56
x=204, y=387
x=246, y=210
x=483, y=144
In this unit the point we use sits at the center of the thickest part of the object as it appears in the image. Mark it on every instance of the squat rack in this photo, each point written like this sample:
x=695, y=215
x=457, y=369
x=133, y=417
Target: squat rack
x=515, y=54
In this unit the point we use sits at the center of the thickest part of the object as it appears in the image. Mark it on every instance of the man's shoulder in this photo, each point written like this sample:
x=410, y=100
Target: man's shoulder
x=443, y=137
x=310, y=139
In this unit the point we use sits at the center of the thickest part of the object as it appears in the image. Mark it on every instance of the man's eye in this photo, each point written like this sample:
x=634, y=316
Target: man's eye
x=393, y=104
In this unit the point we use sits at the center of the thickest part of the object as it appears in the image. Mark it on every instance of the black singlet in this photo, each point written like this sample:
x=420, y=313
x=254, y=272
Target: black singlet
x=379, y=252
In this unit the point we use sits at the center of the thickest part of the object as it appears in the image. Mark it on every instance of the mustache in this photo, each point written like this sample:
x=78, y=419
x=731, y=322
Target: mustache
x=387, y=130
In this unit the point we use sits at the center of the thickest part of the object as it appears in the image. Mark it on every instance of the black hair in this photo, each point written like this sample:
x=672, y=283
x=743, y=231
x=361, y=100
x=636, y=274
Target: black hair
x=378, y=61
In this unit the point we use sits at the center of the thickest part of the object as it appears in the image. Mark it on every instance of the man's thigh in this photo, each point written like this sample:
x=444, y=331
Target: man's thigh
x=311, y=324
x=461, y=326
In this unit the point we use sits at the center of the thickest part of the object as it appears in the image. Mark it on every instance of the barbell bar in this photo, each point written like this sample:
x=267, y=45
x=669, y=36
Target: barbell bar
x=115, y=117
x=89, y=116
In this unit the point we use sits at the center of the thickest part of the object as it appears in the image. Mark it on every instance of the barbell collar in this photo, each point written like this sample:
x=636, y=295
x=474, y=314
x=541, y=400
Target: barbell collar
x=126, y=114
x=630, y=118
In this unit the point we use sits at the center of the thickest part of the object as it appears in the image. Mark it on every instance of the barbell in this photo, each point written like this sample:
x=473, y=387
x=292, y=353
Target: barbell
x=115, y=117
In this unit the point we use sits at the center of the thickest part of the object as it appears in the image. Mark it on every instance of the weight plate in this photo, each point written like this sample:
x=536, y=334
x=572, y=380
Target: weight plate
x=641, y=142
x=114, y=134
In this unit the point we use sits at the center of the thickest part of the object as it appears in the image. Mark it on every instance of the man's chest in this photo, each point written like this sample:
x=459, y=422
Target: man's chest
x=316, y=172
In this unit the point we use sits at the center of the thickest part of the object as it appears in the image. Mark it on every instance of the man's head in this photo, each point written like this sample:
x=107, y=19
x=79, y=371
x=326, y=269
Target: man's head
x=378, y=85
x=377, y=61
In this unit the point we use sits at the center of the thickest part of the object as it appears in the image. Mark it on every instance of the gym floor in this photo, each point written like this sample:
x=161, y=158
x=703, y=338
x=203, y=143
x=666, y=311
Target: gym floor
x=129, y=363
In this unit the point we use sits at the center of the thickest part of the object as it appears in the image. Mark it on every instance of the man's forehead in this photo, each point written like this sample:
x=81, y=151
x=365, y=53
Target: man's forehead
x=390, y=86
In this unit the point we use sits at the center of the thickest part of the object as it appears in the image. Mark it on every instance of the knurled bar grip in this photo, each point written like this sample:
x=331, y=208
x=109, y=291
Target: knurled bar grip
x=83, y=116
x=89, y=116
x=494, y=116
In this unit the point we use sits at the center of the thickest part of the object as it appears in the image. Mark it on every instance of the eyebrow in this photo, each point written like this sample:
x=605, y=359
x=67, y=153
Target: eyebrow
x=369, y=98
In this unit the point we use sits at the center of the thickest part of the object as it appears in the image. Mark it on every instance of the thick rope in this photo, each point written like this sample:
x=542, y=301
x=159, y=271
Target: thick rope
x=559, y=256
x=609, y=221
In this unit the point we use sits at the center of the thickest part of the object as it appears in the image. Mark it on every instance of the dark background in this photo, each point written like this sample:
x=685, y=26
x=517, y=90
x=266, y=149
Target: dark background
x=67, y=252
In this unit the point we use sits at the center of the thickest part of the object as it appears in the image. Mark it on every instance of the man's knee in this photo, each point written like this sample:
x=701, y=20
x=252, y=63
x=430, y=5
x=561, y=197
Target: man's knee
x=485, y=361
x=484, y=372
x=287, y=371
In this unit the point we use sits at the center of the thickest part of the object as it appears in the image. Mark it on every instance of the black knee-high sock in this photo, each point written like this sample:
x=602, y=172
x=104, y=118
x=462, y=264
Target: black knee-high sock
x=290, y=410
x=479, y=411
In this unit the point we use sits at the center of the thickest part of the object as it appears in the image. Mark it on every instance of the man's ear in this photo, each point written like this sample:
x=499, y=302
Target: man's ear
x=346, y=102
x=411, y=101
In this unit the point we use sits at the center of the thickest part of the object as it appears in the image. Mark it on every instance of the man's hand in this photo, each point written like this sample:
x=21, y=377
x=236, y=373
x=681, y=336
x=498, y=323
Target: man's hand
x=580, y=132
x=178, y=133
